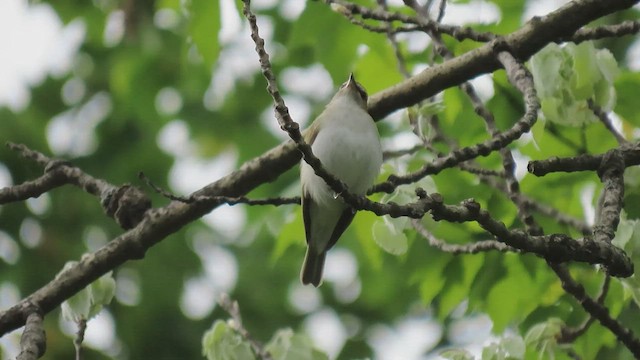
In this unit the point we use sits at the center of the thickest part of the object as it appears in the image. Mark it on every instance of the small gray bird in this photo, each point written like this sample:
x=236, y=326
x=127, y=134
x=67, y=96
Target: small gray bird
x=345, y=139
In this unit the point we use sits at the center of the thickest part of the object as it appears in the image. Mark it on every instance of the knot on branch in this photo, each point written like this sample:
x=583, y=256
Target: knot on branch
x=615, y=260
x=603, y=233
x=437, y=199
x=290, y=127
x=126, y=204
x=437, y=206
x=55, y=164
x=472, y=206
x=612, y=165
x=499, y=45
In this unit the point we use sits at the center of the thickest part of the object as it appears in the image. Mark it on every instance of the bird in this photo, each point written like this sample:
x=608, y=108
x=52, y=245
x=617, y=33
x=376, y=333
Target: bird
x=346, y=140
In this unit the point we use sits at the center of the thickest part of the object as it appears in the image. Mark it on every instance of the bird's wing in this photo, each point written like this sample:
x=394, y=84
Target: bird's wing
x=311, y=133
x=306, y=213
x=342, y=224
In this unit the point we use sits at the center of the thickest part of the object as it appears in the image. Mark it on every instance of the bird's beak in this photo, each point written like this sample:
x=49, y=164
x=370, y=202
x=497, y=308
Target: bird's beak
x=351, y=83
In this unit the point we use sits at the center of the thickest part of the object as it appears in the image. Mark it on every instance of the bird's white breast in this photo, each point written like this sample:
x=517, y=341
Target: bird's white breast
x=348, y=145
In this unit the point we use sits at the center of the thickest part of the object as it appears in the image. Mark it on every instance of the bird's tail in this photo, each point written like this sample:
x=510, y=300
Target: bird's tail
x=312, y=267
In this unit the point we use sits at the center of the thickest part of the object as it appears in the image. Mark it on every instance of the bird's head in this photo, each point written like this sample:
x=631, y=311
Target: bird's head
x=355, y=91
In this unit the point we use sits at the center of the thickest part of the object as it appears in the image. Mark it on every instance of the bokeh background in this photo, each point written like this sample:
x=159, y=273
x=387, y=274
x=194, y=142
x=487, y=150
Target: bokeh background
x=173, y=88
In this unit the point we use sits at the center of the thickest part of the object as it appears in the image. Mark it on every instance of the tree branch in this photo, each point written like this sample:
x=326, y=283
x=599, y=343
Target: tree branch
x=630, y=155
x=33, y=342
x=126, y=204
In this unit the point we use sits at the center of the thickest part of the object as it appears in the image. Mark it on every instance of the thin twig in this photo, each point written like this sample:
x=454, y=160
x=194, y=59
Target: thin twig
x=569, y=334
x=606, y=121
x=457, y=32
x=597, y=310
x=472, y=248
x=77, y=342
x=193, y=198
x=628, y=27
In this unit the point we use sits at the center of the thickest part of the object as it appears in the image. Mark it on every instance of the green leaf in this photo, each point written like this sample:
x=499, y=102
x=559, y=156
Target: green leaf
x=287, y=345
x=388, y=234
x=607, y=65
x=624, y=232
x=222, y=342
x=513, y=297
x=509, y=347
x=204, y=25
x=628, y=238
x=627, y=86
x=545, y=68
x=492, y=352
x=514, y=346
x=77, y=308
x=542, y=337
x=101, y=293
x=566, y=77
x=288, y=226
x=585, y=71
x=89, y=301
x=457, y=354
x=431, y=279
x=362, y=224
x=337, y=47
x=457, y=289
x=432, y=108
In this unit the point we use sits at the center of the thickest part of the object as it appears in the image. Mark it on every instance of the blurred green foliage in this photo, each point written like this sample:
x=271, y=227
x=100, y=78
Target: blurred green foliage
x=518, y=292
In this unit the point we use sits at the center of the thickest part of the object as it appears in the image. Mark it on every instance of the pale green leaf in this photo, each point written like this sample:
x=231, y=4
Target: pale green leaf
x=604, y=95
x=566, y=77
x=457, y=354
x=543, y=336
x=492, y=352
x=432, y=108
x=387, y=235
x=77, y=307
x=222, y=342
x=101, y=293
x=287, y=345
x=625, y=230
x=607, y=65
x=89, y=301
x=585, y=70
x=514, y=346
x=545, y=68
